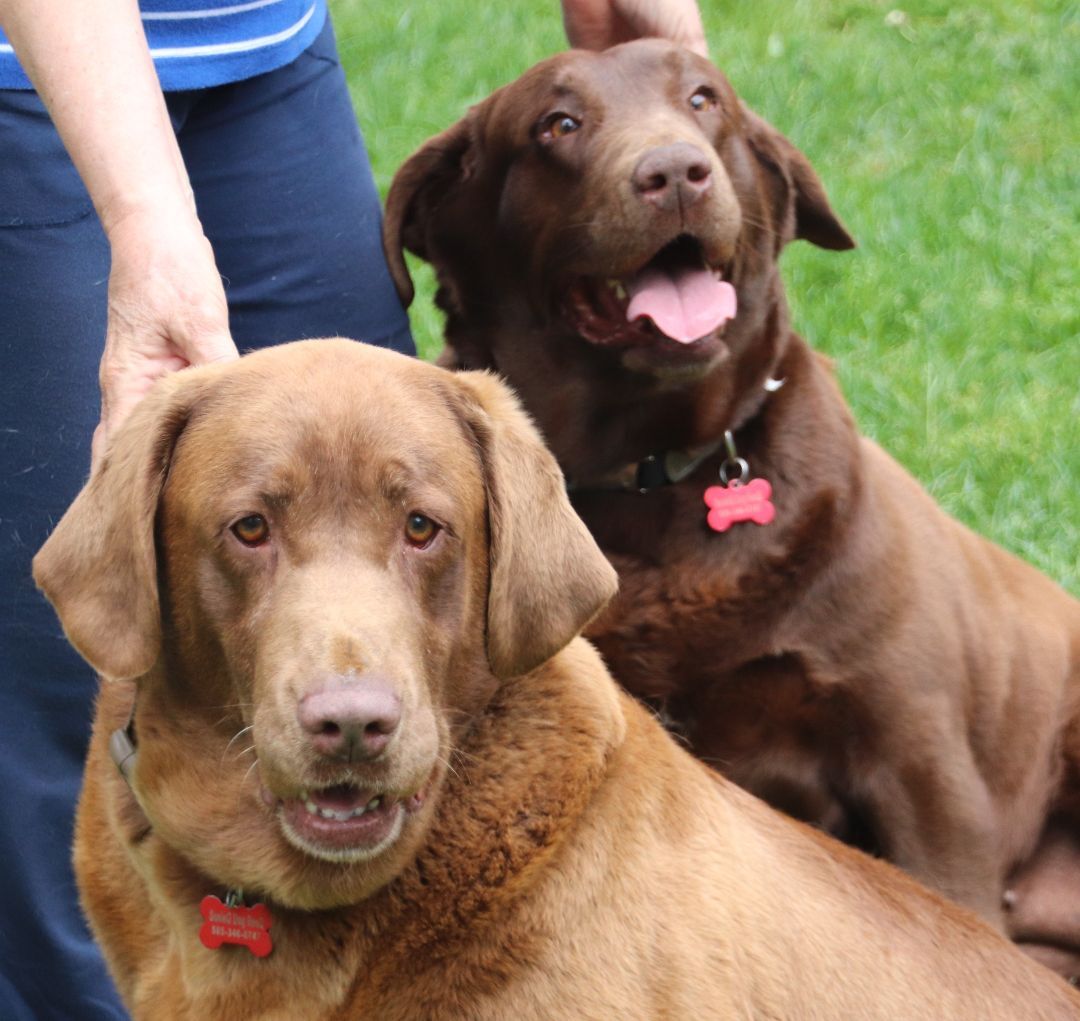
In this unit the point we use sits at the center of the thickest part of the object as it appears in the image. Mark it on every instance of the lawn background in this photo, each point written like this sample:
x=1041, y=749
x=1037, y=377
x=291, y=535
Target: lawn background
x=948, y=138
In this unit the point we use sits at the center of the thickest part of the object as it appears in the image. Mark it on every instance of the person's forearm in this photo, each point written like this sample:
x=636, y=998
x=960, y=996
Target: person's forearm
x=89, y=61
x=90, y=64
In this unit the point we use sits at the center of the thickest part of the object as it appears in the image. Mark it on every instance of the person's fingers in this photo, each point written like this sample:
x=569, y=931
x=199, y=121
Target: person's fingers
x=126, y=379
x=139, y=351
x=217, y=346
x=129, y=373
x=594, y=24
x=598, y=24
x=167, y=310
x=97, y=447
x=130, y=367
x=677, y=20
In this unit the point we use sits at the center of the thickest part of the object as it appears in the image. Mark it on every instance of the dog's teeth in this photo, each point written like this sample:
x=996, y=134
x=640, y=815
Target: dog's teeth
x=618, y=289
x=329, y=813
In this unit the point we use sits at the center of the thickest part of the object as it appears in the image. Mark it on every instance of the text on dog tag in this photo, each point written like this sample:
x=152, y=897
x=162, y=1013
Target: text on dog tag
x=240, y=925
x=737, y=501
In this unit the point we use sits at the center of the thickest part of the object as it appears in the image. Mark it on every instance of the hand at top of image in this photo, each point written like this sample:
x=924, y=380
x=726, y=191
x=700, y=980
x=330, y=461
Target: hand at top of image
x=598, y=24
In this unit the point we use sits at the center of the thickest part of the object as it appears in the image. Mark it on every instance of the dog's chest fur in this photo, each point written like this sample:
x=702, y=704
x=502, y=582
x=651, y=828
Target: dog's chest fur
x=700, y=627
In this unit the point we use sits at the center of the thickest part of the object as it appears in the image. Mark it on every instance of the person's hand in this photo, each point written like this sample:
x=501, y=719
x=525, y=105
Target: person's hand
x=167, y=310
x=598, y=24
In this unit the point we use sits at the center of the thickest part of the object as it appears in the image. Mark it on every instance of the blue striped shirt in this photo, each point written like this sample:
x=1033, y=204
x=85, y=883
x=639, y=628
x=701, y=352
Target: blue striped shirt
x=199, y=43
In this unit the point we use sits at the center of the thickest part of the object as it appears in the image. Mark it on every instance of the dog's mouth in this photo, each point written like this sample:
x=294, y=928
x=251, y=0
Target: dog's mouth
x=676, y=298
x=345, y=822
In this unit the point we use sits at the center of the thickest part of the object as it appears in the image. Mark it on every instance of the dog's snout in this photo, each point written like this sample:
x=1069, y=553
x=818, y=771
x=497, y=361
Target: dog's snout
x=350, y=721
x=672, y=176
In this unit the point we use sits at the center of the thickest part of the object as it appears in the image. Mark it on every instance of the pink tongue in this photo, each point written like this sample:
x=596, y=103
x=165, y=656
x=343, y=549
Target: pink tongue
x=684, y=305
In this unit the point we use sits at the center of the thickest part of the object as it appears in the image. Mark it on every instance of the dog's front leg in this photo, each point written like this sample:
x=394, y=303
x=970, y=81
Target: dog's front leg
x=936, y=819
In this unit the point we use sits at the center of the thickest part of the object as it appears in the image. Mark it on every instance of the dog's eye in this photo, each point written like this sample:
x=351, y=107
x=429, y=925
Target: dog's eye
x=556, y=125
x=702, y=100
x=420, y=530
x=252, y=530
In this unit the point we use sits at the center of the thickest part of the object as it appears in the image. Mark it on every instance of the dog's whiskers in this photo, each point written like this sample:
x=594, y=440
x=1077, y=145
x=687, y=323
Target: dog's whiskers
x=243, y=783
x=239, y=734
x=445, y=760
x=753, y=221
x=249, y=772
x=460, y=753
x=228, y=716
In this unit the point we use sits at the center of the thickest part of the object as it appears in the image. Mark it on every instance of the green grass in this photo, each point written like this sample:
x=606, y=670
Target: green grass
x=948, y=137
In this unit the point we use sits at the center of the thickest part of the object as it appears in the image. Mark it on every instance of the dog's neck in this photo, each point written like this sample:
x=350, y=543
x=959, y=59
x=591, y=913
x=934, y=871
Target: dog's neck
x=670, y=467
x=519, y=783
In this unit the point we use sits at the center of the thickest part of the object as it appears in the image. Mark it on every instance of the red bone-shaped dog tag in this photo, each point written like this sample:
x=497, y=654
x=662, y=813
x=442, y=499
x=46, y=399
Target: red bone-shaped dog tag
x=244, y=926
x=738, y=502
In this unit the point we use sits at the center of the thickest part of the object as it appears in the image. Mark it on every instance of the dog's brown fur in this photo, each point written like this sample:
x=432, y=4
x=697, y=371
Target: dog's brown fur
x=568, y=859
x=863, y=662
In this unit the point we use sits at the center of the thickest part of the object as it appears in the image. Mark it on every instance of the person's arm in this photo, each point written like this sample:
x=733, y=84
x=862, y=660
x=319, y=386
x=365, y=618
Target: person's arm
x=92, y=68
x=597, y=24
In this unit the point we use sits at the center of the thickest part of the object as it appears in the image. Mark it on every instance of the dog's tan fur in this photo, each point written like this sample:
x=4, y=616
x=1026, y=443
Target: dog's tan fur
x=569, y=860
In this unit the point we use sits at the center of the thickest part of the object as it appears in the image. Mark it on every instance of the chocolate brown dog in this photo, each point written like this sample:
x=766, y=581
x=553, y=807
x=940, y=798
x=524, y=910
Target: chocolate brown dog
x=333, y=592
x=605, y=233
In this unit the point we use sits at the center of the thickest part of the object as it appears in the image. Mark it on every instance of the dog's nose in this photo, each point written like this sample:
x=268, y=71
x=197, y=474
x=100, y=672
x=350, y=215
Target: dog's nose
x=351, y=721
x=672, y=176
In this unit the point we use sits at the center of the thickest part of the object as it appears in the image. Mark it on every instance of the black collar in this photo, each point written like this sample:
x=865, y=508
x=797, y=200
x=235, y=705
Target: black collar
x=666, y=467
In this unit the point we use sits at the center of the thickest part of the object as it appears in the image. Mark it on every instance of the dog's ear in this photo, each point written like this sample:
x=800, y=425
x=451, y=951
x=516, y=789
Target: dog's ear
x=811, y=217
x=547, y=577
x=99, y=568
x=421, y=181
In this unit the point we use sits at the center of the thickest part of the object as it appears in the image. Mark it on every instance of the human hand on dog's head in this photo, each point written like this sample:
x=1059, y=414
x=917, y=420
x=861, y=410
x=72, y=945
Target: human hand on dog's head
x=598, y=24
x=166, y=310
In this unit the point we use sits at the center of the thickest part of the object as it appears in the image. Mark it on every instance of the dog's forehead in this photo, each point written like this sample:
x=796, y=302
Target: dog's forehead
x=639, y=69
x=321, y=412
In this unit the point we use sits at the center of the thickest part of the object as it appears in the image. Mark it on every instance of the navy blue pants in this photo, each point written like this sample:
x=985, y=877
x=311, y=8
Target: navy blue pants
x=285, y=195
